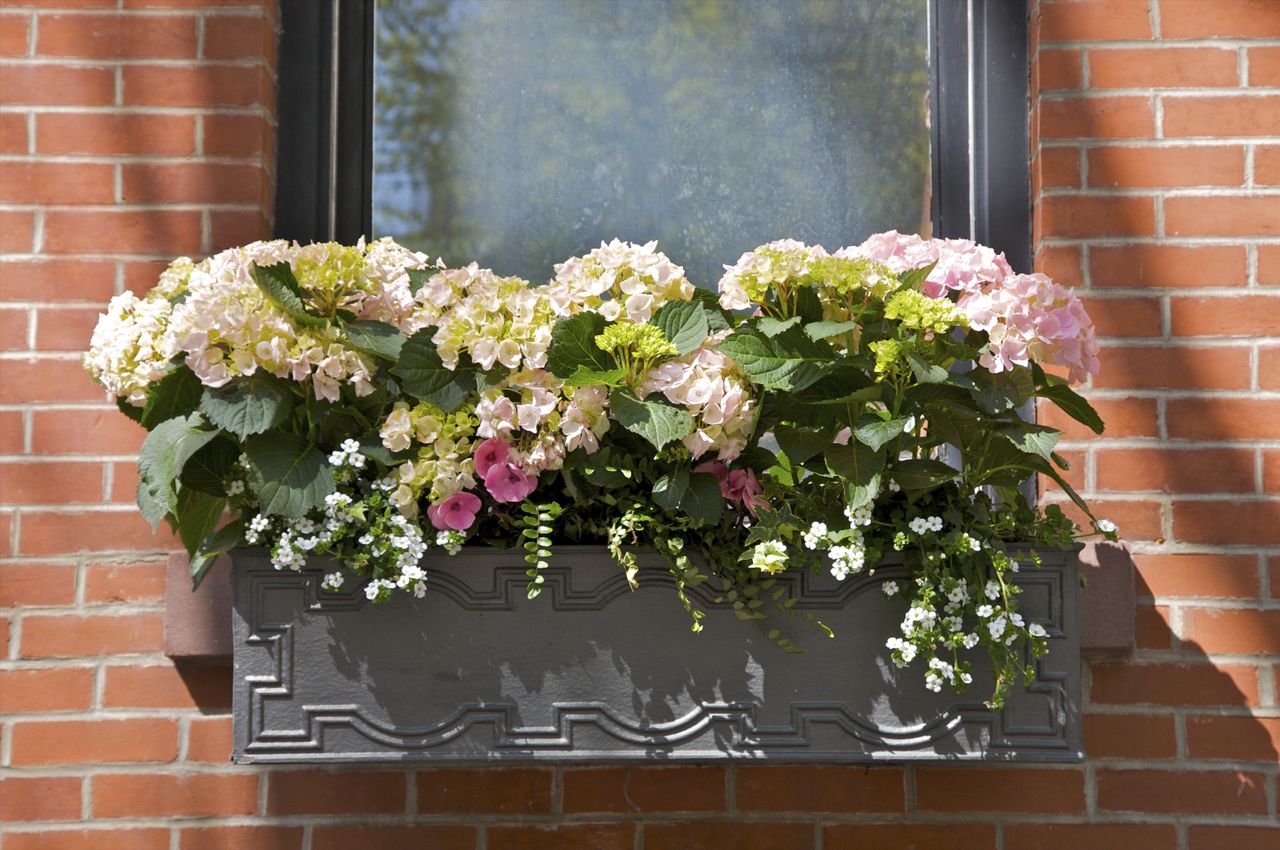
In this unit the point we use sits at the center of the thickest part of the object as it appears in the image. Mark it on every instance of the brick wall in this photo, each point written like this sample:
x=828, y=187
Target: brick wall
x=131, y=134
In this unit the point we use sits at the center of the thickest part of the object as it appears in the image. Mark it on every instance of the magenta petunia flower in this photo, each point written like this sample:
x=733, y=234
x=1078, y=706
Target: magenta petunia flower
x=743, y=487
x=508, y=483
x=456, y=513
x=488, y=453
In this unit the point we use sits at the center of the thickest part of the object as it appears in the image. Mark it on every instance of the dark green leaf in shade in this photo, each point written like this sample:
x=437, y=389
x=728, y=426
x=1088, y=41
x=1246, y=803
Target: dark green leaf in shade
x=924, y=371
x=800, y=444
x=197, y=515
x=573, y=345
x=294, y=475
x=418, y=278
x=703, y=502
x=1029, y=437
x=282, y=289
x=209, y=469
x=921, y=474
x=249, y=406
x=669, y=490
x=134, y=413
x=161, y=460
x=176, y=394
x=856, y=463
x=1072, y=404
x=218, y=543
x=876, y=432
x=425, y=377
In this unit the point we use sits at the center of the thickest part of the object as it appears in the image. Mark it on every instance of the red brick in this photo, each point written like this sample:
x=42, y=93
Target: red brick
x=13, y=132
x=162, y=795
x=1224, y=419
x=1226, y=523
x=25, y=381
x=717, y=835
x=57, y=85
x=236, y=135
x=49, y=483
x=1222, y=116
x=1060, y=262
x=1181, y=367
x=165, y=232
x=39, y=799
x=141, y=275
x=198, y=86
x=596, y=836
x=35, y=584
x=913, y=836
x=1167, y=67
x=76, y=636
x=11, y=436
x=1182, y=792
x=115, y=134
x=1233, y=630
x=179, y=183
x=209, y=740
x=425, y=836
x=1168, y=265
x=1238, y=18
x=124, y=483
x=55, y=689
x=1096, y=20
x=1128, y=683
x=1223, y=216
x=238, y=837
x=1125, y=317
x=1206, y=837
x=47, y=533
x=66, y=328
x=1172, y=470
x=1205, y=575
x=150, y=739
x=58, y=432
x=1057, y=167
x=1124, y=417
x=124, y=582
x=17, y=231
x=1097, y=118
x=13, y=329
x=1057, y=70
x=1264, y=66
x=1234, y=738
x=1138, y=518
x=1096, y=836
x=166, y=686
x=15, y=32
x=229, y=229
x=676, y=788
x=1131, y=736
x=1142, y=168
x=508, y=791
x=117, y=36
x=946, y=789
x=98, y=838
x=237, y=37
x=819, y=788
x=1252, y=315
x=1151, y=627
x=1269, y=265
x=1112, y=216
x=56, y=183
x=313, y=792
x=57, y=280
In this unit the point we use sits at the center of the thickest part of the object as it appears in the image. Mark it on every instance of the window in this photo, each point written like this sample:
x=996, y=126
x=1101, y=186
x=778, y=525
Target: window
x=521, y=132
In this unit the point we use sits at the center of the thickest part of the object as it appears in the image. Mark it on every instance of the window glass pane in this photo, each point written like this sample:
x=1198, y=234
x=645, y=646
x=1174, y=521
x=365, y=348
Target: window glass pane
x=521, y=132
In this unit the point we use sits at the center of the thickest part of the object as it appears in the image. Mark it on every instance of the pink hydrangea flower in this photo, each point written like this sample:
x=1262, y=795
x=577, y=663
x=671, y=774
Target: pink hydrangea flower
x=508, y=483
x=489, y=453
x=962, y=264
x=456, y=513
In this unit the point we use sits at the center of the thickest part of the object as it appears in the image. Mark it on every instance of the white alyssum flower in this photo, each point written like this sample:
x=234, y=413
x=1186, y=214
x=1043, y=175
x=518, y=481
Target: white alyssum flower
x=984, y=611
x=992, y=589
x=890, y=588
x=970, y=640
x=903, y=651
x=332, y=581
x=1037, y=630
x=815, y=536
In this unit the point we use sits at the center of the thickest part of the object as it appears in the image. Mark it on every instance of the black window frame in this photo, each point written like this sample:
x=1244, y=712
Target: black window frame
x=978, y=91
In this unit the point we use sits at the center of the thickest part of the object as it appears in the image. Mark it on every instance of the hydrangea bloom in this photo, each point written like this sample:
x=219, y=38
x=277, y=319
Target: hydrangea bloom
x=638, y=278
x=442, y=465
x=715, y=392
x=546, y=421
x=961, y=263
x=746, y=282
x=130, y=349
x=490, y=318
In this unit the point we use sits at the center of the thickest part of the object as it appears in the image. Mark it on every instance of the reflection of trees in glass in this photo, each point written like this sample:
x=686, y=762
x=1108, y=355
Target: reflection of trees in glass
x=521, y=132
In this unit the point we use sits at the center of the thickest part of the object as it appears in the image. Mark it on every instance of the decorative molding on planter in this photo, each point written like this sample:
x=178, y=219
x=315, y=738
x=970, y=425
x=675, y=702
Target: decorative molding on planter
x=476, y=672
x=1106, y=599
x=197, y=625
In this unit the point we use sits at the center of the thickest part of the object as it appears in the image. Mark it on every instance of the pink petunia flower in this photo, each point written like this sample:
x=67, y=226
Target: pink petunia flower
x=739, y=485
x=508, y=483
x=456, y=513
x=489, y=453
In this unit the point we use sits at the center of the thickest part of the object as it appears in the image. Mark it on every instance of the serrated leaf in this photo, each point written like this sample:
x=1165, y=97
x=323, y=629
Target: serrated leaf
x=791, y=361
x=376, y=338
x=825, y=330
x=1072, y=404
x=669, y=490
x=876, y=433
x=800, y=444
x=921, y=474
x=855, y=463
x=176, y=394
x=771, y=327
x=718, y=319
x=282, y=289
x=703, y=502
x=248, y=406
x=585, y=377
x=196, y=516
x=573, y=345
x=161, y=459
x=209, y=469
x=684, y=323
x=425, y=377
x=913, y=278
x=293, y=475
x=1031, y=438
x=418, y=278
x=924, y=371
x=218, y=543
x=657, y=421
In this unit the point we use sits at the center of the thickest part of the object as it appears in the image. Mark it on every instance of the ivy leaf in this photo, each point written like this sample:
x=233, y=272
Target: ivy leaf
x=573, y=344
x=282, y=289
x=823, y=330
x=218, y=543
x=294, y=475
x=921, y=474
x=658, y=422
x=684, y=323
x=209, y=468
x=876, y=432
x=925, y=372
x=771, y=327
x=176, y=394
x=586, y=377
x=161, y=459
x=376, y=338
x=248, y=406
x=197, y=515
x=669, y=490
x=418, y=278
x=789, y=362
x=703, y=502
x=1072, y=404
x=425, y=377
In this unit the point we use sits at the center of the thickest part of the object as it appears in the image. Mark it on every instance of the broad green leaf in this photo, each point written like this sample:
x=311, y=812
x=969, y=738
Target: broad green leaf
x=1045, y=468
x=876, y=433
x=573, y=345
x=657, y=421
x=134, y=413
x=418, y=278
x=162, y=458
x=718, y=319
x=771, y=327
x=824, y=330
x=295, y=476
x=376, y=338
x=425, y=377
x=670, y=489
x=858, y=495
x=862, y=396
x=808, y=305
x=924, y=371
x=790, y=361
x=209, y=469
x=176, y=394
x=218, y=543
x=282, y=289
x=1072, y=404
x=921, y=474
x=913, y=278
x=248, y=406
x=684, y=323
x=856, y=463
x=703, y=501
x=197, y=515
x=585, y=377
x=800, y=444
x=1034, y=439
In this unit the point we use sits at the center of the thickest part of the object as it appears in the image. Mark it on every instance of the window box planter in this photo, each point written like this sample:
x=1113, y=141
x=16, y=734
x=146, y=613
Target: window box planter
x=590, y=672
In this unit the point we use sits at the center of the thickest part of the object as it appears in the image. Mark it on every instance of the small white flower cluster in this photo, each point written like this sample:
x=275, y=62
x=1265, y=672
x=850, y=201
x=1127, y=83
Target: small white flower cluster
x=332, y=581
x=923, y=525
x=348, y=454
x=254, y=530
x=451, y=541
x=769, y=557
x=942, y=671
x=816, y=535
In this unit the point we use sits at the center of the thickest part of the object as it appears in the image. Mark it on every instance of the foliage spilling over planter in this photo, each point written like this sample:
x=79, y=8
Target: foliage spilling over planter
x=365, y=402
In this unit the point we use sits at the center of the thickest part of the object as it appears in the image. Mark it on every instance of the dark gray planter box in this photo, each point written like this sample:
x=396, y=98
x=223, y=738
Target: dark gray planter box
x=592, y=672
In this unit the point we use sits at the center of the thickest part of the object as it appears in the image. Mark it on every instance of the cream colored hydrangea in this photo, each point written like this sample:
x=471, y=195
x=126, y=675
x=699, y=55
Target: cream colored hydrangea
x=442, y=464
x=545, y=421
x=638, y=279
x=130, y=348
x=492, y=319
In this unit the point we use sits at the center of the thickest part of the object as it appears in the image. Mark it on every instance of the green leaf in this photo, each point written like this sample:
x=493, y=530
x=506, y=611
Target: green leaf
x=176, y=394
x=862, y=396
x=657, y=421
x=669, y=490
x=856, y=463
x=921, y=474
x=196, y=516
x=771, y=327
x=162, y=458
x=249, y=406
x=808, y=305
x=1029, y=437
x=282, y=289
x=925, y=372
x=914, y=277
x=790, y=361
x=218, y=543
x=376, y=338
x=684, y=323
x=876, y=432
x=585, y=377
x=573, y=345
x=211, y=467
x=1072, y=404
x=718, y=319
x=294, y=475
x=134, y=413
x=823, y=330
x=418, y=278
x=703, y=502
x=800, y=444
x=425, y=377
